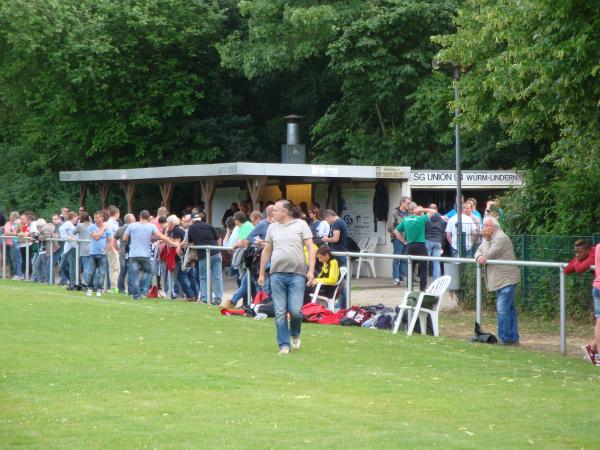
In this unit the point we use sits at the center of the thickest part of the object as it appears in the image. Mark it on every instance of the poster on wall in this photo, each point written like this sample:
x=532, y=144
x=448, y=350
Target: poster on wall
x=358, y=215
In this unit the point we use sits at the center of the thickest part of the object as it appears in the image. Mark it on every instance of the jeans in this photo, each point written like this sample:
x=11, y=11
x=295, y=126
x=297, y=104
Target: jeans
x=124, y=265
x=419, y=249
x=139, y=286
x=84, y=261
x=468, y=253
x=434, y=249
x=15, y=261
x=216, y=270
x=184, y=282
x=399, y=267
x=67, y=266
x=40, y=268
x=288, y=294
x=507, y=314
x=100, y=264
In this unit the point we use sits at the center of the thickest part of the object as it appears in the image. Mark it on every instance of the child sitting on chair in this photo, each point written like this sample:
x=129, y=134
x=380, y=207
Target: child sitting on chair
x=328, y=273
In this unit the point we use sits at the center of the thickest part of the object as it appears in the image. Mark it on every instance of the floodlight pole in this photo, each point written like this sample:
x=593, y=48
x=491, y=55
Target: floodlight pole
x=459, y=230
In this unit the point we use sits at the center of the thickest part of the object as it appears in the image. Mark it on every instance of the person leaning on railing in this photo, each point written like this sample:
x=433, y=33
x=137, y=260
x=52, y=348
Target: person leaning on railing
x=590, y=351
x=583, y=259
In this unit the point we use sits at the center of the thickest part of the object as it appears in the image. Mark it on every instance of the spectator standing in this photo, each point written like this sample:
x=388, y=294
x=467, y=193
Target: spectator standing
x=101, y=237
x=123, y=253
x=318, y=225
x=591, y=350
x=177, y=234
x=82, y=233
x=140, y=235
x=42, y=264
x=468, y=229
x=57, y=222
x=112, y=253
x=584, y=257
x=434, y=239
x=24, y=242
x=11, y=229
x=284, y=248
x=337, y=241
x=500, y=278
x=413, y=229
x=399, y=267
x=201, y=233
x=67, y=263
x=230, y=212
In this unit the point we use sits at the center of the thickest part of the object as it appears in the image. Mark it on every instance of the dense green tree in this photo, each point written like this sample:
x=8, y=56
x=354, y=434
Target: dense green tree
x=532, y=67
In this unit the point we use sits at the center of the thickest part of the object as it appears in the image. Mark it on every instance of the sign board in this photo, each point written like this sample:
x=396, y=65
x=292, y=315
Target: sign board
x=469, y=178
x=392, y=172
x=358, y=215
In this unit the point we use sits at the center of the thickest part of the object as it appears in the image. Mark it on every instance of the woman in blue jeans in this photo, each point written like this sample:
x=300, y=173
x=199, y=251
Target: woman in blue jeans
x=284, y=248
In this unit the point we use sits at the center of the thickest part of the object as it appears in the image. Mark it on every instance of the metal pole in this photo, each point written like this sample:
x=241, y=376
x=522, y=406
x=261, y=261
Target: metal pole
x=348, y=283
x=208, y=279
x=563, y=313
x=3, y=258
x=478, y=304
x=248, y=288
x=170, y=281
x=409, y=284
x=76, y=263
x=459, y=239
x=26, y=260
x=51, y=270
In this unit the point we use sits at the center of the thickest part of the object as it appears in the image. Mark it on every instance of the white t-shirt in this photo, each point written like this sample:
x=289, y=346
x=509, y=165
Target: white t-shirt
x=468, y=227
x=288, y=246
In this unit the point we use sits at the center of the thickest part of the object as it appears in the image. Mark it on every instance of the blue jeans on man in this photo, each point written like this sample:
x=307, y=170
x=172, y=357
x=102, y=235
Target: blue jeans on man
x=15, y=261
x=184, y=282
x=434, y=249
x=287, y=290
x=216, y=270
x=124, y=265
x=139, y=285
x=399, y=266
x=508, y=329
x=99, y=264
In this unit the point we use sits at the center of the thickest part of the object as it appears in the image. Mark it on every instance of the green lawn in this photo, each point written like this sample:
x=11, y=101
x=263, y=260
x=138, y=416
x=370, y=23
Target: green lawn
x=79, y=372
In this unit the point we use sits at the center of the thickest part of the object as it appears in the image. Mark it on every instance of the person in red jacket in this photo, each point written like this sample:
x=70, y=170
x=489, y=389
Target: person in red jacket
x=583, y=259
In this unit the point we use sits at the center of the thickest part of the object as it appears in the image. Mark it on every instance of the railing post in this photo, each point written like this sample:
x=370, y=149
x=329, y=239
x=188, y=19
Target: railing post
x=51, y=270
x=248, y=301
x=170, y=281
x=348, y=283
x=409, y=284
x=208, y=279
x=27, y=248
x=76, y=263
x=563, y=313
x=478, y=291
x=3, y=258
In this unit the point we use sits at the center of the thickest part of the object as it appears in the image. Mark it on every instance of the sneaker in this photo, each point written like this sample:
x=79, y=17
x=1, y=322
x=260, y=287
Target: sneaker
x=284, y=350
x=396, y=281
x=226, y=304
x=296, y=342
x=115, y=290
x=589, y=354
x=89, y=292
x=99, y=294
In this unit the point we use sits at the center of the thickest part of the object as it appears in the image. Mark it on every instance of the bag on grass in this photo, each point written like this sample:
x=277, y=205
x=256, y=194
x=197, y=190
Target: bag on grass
x=355, y=316
x=152, y=292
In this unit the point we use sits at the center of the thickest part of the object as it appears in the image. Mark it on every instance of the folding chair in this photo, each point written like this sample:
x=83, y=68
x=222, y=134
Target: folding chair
x=367, y=247
x=315, y=297
x=427, y=302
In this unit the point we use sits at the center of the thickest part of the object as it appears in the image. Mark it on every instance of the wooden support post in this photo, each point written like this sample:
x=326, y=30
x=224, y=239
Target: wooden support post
x=256, y=186
x=82, y=194
x=166, y=190
x=104, y=189
x=208, y=194
x=283, y=190
x=130, y=189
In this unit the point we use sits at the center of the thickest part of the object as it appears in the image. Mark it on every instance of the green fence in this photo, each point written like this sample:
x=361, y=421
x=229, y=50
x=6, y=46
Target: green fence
x=539, y=287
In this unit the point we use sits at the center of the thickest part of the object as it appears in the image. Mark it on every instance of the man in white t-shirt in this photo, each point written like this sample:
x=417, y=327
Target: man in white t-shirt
x=284, y=246
x=469, y=229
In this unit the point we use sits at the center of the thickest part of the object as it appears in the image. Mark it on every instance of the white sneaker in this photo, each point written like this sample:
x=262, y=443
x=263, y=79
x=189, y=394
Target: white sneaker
x=284, y=350
x=88, y=293
x=99, y=294
x=295, y=342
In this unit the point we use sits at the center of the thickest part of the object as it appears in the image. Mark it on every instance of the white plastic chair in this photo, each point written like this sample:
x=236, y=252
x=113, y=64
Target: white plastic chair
x=315, y=297
x=368, y=247
x=434, y=294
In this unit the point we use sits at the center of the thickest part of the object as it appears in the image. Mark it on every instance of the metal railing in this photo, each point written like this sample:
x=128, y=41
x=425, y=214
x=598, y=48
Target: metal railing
x=349, y=255
x=411, y=258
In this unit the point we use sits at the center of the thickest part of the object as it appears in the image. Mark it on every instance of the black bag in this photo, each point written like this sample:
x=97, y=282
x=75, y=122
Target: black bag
x=480, y=336
x=353, y=246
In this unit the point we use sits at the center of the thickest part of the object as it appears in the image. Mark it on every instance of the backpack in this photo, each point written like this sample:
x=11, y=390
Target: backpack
x=353, y=246
x=355, y=316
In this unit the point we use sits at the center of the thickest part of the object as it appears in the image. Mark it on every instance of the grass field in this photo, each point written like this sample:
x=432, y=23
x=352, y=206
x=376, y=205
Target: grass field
x=78, y=372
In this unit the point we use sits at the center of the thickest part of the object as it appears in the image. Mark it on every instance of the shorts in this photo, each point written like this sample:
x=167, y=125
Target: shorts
x=596, y=297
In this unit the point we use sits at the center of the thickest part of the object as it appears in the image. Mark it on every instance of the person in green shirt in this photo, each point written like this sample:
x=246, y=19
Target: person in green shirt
x=412, y=231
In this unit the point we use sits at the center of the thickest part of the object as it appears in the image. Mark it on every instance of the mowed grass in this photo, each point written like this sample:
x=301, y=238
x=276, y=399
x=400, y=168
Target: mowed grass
x=79, y=372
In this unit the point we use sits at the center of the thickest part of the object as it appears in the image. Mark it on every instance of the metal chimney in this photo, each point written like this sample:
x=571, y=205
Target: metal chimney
x=293, y=151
